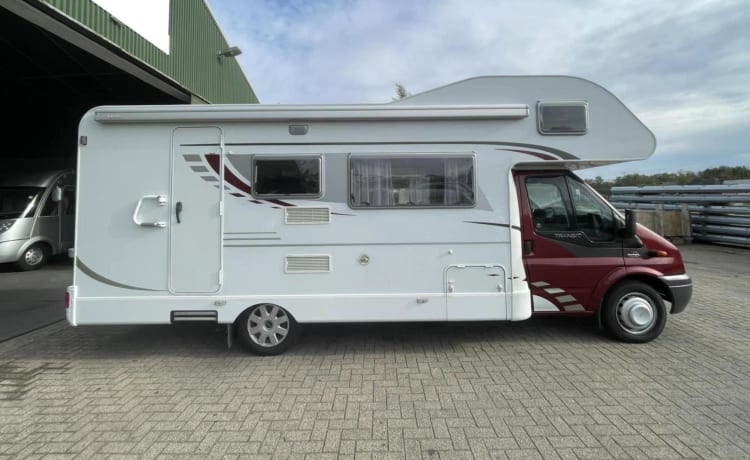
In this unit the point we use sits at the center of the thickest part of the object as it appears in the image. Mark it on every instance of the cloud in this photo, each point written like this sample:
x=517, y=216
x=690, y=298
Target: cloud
x=682, y=67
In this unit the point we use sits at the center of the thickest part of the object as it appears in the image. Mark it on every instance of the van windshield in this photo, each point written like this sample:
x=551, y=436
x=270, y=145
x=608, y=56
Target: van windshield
x=19, y=202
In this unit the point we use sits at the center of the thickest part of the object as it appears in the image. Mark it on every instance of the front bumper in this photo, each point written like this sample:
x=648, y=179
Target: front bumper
x=10, y=250
x=680, y=289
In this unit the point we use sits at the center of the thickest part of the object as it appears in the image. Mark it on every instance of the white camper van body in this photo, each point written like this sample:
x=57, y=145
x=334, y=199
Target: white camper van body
x=324, y=257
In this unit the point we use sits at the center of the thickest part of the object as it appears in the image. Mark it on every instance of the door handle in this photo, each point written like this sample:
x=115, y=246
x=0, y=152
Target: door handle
x=161, y=200
x=178, y=210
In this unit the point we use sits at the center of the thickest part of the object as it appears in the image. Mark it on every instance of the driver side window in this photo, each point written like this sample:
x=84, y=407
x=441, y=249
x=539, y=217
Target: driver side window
x=593, y=216
x=549, y=206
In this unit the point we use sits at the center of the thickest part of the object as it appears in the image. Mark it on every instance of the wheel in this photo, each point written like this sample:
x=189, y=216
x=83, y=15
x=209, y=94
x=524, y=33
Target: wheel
x=634, y=312
x=267, y=329
x=34, y=257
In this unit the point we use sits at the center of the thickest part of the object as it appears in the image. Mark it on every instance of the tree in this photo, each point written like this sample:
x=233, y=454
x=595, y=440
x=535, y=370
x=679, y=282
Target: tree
x=401, y=92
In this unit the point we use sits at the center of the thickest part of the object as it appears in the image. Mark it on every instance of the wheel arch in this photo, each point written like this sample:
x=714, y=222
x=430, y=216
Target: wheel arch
x=241, y=312
x=36, y=240
x=623, y=275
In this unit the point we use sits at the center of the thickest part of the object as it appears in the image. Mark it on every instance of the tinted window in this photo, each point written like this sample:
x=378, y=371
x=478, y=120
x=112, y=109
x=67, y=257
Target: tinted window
x=549, y=209
x=50, y=207
x=18, y=202
x=68, y=202
x=593, y=216
x=405, y=182
x=285, y=177
x=559, y=118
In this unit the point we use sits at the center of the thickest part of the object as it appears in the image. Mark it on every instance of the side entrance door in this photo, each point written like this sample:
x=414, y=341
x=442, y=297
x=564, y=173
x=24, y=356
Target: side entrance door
x=196, y=202
x=570, y=240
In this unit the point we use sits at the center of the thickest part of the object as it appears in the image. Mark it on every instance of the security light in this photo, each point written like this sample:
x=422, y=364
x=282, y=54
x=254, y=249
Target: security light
x=230, y=52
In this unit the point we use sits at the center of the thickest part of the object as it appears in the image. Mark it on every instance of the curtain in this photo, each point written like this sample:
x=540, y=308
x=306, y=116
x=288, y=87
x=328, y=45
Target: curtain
x=457, y=174
x=419, y=189
x=371, y=182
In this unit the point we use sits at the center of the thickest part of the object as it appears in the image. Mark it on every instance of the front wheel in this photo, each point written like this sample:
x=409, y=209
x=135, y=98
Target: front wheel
x=33, y=258
x=267, y=329
x=634, y=312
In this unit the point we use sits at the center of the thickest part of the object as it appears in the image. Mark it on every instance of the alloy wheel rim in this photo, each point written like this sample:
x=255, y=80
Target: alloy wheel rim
x=34, y=256
x=268, y=325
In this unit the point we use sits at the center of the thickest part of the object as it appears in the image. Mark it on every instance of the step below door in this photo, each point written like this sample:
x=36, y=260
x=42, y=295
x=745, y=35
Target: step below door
x=476, y=292
x=195, y=252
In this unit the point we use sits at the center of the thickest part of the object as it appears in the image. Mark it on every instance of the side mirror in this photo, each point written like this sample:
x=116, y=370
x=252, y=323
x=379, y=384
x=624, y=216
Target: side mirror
x=630, y=224
x=56, y=194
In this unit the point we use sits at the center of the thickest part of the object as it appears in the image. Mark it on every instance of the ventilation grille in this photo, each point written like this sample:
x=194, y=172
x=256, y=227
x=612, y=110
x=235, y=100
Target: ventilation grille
x=178, y=316
x=307, y=215
x=308, y=264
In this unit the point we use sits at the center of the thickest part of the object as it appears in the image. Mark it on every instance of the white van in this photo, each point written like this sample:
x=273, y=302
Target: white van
x=456, y=204
x=37, y=216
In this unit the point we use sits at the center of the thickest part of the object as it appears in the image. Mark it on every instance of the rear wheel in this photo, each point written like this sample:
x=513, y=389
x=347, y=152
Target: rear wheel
x=34, y=257
x=267, y=329
x=634, y=312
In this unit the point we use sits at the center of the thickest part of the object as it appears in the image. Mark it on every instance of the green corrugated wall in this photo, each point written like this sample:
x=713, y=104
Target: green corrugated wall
x=195, y=39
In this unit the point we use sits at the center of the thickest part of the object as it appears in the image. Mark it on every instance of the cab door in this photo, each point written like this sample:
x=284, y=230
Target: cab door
x=570, y=241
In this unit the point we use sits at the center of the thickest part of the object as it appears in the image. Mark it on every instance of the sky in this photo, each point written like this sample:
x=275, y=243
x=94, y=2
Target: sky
x=683, y=67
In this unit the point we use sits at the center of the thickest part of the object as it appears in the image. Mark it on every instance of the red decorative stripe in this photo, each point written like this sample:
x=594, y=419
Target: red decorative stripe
x=543, y=156
x=229, y=177
x=279, y=202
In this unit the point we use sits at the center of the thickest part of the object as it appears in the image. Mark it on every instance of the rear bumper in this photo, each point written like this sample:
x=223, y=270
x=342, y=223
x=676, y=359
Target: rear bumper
x=681, y=290
x=70, y=305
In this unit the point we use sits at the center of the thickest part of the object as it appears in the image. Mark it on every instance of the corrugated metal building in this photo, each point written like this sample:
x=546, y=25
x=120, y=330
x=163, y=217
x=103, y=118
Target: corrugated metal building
x=63, y=57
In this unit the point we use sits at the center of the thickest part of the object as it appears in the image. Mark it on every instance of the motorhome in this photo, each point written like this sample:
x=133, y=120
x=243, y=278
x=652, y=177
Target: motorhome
x=36, y=216
x=457, y=204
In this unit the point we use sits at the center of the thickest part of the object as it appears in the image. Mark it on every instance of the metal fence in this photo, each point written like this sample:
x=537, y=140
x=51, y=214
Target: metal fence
x=718, y=213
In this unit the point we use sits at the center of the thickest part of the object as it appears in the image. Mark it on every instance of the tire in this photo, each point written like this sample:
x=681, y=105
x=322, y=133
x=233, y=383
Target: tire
x=267, y=329
x=34, y=257
x=634, y=312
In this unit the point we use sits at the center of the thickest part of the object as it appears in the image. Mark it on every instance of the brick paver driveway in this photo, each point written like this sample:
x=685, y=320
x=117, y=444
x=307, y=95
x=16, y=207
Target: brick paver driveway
x=545, y=388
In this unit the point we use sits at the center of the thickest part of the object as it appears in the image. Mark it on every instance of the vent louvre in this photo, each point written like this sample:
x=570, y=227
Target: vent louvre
x=193, y=315
x=308, y=264
x=307, y=215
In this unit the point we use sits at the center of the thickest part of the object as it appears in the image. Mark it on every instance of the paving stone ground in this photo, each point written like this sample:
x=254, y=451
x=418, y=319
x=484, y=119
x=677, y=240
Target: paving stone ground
x=545, y=388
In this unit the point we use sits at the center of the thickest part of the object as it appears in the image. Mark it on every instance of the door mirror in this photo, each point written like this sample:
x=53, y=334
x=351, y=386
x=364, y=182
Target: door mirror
x=630, y=224
x=56, y=194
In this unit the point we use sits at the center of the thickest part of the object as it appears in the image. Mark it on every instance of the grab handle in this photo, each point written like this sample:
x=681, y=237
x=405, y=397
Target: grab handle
x=161, y=200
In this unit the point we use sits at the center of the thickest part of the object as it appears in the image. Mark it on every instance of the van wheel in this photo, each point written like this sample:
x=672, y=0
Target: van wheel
x=634, y=312
x=34, y=257
x=267, y=329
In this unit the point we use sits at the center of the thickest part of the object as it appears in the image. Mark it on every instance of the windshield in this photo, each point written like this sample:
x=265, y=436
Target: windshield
x=19, y=202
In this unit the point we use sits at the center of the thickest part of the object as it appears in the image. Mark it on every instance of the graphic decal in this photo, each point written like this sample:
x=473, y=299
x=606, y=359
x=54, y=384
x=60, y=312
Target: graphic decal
x=234, y=181
x=562, y=300
x=542, y=156
x=94, y=275
x=496, y=224
x=229, y=176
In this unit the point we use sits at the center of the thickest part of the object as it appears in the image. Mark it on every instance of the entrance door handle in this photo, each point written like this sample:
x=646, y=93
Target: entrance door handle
x=178, y=210
x=161, y=200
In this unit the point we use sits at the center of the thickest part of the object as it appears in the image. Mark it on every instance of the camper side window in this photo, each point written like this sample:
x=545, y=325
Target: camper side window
x=287, y=177
x=402, y=182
